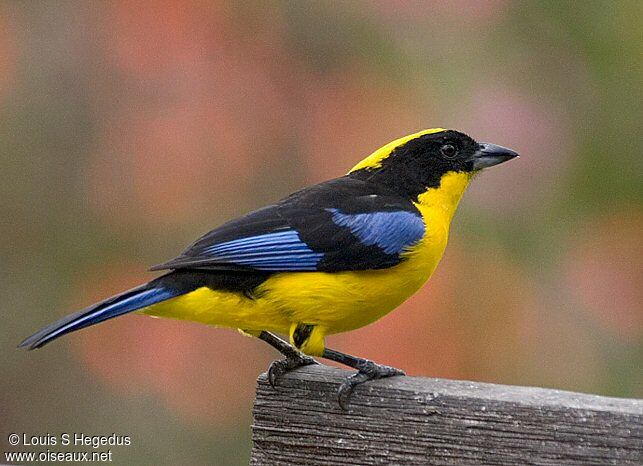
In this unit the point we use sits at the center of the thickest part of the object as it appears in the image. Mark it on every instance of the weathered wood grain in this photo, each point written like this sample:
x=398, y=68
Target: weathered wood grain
x=410, y=420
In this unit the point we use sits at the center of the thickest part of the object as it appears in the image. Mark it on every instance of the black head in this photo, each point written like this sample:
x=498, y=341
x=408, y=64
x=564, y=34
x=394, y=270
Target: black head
x=418, y=163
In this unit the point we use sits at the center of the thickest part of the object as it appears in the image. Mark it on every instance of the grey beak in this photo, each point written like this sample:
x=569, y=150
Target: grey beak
x=489, y=155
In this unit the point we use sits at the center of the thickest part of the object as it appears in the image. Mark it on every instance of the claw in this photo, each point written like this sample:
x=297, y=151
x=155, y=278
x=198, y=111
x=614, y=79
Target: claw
x=368, y=371
x=283, y=366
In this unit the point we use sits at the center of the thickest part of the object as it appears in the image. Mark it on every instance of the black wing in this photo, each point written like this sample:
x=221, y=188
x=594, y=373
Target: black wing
x=342, y=224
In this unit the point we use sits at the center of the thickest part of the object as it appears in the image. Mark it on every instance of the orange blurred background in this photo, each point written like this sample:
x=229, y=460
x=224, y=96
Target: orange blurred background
x=128, y=128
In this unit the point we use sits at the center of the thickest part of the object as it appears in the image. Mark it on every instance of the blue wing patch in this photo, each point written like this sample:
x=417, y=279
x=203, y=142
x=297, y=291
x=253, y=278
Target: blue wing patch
x=394, y=232
x=275, y=251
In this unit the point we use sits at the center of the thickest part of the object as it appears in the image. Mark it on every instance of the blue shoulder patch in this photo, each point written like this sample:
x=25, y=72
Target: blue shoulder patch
x=394, y=232
x=276, y=251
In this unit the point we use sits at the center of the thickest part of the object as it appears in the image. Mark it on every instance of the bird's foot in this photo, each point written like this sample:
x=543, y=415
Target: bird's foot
x=368, y=370
x=283, y=366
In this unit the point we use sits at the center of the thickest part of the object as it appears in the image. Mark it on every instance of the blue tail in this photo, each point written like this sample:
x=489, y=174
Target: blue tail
x=115, y=306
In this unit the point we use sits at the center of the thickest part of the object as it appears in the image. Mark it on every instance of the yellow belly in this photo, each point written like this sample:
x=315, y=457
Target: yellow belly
x=333, y=302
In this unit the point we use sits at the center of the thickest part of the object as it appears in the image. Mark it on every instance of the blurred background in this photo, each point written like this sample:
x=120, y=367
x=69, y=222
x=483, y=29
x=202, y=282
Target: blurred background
x=127, y=129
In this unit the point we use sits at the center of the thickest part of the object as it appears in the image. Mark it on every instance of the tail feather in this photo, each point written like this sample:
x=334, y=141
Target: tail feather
x=129, y=301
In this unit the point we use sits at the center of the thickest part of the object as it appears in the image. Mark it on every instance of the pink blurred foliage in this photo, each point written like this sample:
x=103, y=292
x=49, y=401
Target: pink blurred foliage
x=201, y=373
x=206, y=116
x=536, y=130
x=604, y=272
x=349, y=116
x=226, y=104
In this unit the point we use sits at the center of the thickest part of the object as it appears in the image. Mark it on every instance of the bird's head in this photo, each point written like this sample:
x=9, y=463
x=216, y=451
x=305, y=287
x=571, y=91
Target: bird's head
x=413, y=164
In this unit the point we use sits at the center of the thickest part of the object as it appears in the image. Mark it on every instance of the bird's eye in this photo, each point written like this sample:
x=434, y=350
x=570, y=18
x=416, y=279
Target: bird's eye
x=449, y=151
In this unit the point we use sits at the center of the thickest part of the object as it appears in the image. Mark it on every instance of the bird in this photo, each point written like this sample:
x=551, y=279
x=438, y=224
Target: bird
x=329, y=258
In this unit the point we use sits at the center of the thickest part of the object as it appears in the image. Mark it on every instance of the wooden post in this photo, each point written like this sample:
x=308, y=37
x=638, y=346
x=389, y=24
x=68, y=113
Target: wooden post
x=412, y=420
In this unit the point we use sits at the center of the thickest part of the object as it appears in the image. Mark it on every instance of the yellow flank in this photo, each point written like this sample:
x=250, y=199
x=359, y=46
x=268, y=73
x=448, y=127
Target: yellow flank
x=375, y=159
x=332, y=302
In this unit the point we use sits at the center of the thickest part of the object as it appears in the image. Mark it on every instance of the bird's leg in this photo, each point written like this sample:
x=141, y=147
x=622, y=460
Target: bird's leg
x=293, y=358
x=366, y=370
